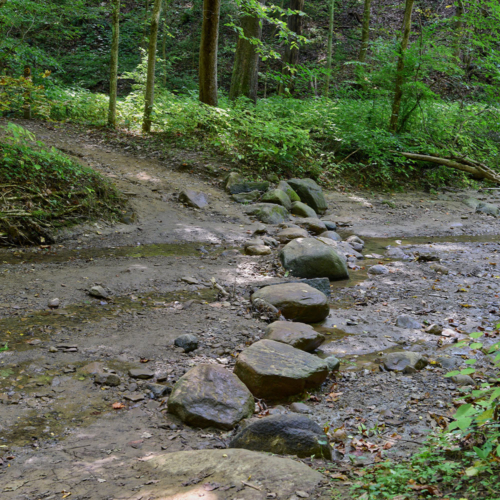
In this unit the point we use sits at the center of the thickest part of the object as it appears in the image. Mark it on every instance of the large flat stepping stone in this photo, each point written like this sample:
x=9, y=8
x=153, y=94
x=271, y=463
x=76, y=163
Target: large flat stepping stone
x=275, y=370
x=269, y=213
x=296, y=301
x=284, y=435
x=312, y=258
x=222, y=474
x=298, y=335
x=210, y=396
x=310, y=193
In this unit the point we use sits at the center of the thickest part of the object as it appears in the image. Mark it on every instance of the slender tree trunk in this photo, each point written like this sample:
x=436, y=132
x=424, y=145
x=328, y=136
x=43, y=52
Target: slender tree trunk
x=458, y=29
x=398, y=94
x=150, y=82
x=208, y=52
x=365, y=34
x=113, y=79
x=245, y=77
x=164, y=49
x=291, y=56
x=27, y=94
x=329, y=49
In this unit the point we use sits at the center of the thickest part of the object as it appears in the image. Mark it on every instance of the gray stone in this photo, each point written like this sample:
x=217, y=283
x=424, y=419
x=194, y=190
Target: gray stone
x=181, y=475
x=188, y=342
x=300, y=408
x=471, y=202
x=54, y=303
x=275, y=370
x=98, y=292
x=342, y=248
x=314, y=226
x=158, y=390
x=258, y=250
x=268, y=213
x=302, y=210
x=247, y=187
x=447, y=362
x=253, y=242
x=333, y=363
x=141, y=373
x=298, y=335
x=291, y=233
x=434, y=329
x=210, y=396
x=312, y=258
x=462, y=380
x=247, y=197
x=487, y=208
x=355, y=239
x=232, y=179
x=310, y=193
x=438, y=268
x=278, y=197
x=330, y=225
x=378, y=269
x=193, y=199
x=404, y=361
x=190, y=280
x=396, y=253
x=110, y=379
x=284, y=186
x=296, y=301
x=331, y=235
x=268, y=240
x=407, y=322
x=321, y=284
x=284, y=435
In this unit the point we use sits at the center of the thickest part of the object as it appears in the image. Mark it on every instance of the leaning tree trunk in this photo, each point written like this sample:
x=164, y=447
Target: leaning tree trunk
x=246, y=61
x=330, y=49
x=365, y=34
x=291, y=56
x=208, y=52
x=150, y=82
x=398, y=94
x=113, y=79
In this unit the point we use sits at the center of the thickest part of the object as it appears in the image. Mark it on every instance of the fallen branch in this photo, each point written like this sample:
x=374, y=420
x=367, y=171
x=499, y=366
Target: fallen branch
x=463, y=164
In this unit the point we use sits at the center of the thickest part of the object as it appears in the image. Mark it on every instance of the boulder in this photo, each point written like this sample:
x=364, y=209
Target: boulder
x=284, y=435
x=396, y=253
x=217, y=474
x=321, y=284
x=298, y=335
x=487, y=208
x=331, y=235
x=310, y=193
x=333, y=363
x=355, y=239
x=111, y=379
x=275, y=370
x=408, y=322
x=247, y=187
x=302, y=210
x=378, y=269
x=268, y=213
x=257, y=250
x=462, y=380
x=312, y=258
x=404, y=361
x=210, y=396
x=438, y=268
x=341, y=247
x=247, y=197
x=232, y=179
x=278, y=197
x=99, y=292
x=187, y=342
x=284, y=186
x=291, y=233
x=300, y=408
x=193, y=198
x=314, y=226
x=296, y=301
x=330, y=225
x=471, y=202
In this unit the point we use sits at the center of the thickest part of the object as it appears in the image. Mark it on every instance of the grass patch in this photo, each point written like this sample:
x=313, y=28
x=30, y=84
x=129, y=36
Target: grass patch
x=42, y=189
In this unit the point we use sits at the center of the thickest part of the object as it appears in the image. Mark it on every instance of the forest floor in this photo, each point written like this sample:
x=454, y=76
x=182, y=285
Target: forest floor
x=59, y=433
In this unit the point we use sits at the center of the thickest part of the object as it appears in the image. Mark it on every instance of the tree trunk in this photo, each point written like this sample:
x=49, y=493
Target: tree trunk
x=398, y=94
x=164, y=49
x=27, y=95
x=330, y=49
x=246, y=61
x=291, y=56
x=113, y=78
x=365, y=34
x=150, y=82
x=458, y=29
x=208, y=52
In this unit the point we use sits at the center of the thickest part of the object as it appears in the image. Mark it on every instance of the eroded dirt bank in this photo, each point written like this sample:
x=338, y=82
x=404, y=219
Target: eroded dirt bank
x=59, y=432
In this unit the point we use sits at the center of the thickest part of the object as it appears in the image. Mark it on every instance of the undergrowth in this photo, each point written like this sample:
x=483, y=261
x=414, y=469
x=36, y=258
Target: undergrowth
x=42, y=189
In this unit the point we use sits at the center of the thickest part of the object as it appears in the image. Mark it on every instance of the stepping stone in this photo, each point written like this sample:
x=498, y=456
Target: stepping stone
x=378, y=269
x=330, y=225
x=296, y=301
x=210, y=474
x=210, y=396
x=405, y=361
x=275, y=370
x=257, y=250
x=278, y=197
x=314, y=226
x=284, y=186
x=285, y=435
x=269, y=213
x=291, y=233
x=331, y=235
x=312, y=258
x=193, y=198
x=141, y=373
x=187, y=342
x=310, y=193
x=298, y=335
x=408, y=322
x=302, y=210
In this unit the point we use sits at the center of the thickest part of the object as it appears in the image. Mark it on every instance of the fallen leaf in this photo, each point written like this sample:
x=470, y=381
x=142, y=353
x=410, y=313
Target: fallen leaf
x=118, y=406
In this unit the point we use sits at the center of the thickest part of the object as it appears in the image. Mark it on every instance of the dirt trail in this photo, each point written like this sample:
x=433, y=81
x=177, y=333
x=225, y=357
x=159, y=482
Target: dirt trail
x=58, y=430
